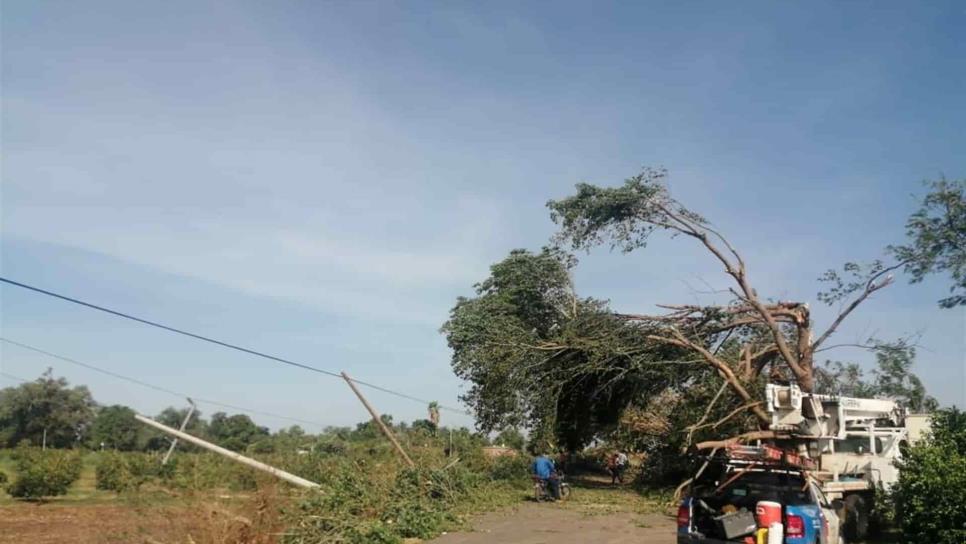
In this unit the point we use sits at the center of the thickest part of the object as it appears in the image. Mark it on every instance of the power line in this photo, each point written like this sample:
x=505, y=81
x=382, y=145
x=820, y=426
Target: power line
x=225, y=344
x=155, y=387
x=12, y=377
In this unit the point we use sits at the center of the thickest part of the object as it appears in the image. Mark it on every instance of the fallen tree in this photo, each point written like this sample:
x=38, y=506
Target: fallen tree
x=571, y=369
x=777, y=334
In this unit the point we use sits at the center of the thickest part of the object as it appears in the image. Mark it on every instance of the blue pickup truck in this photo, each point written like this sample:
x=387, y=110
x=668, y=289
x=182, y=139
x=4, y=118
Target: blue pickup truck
x=720, y=504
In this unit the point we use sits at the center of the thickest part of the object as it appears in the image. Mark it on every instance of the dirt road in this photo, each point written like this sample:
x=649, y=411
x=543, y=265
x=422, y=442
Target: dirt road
x=550, y=524
x=87, y=524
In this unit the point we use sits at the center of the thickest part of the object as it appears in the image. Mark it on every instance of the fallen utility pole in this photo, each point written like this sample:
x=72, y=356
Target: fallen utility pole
x=378, y=420
x=174, y=441
x=288, y=477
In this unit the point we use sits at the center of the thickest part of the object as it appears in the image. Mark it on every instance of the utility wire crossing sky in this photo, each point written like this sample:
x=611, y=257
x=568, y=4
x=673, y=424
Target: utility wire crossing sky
x=222, y=344
x=159, y=388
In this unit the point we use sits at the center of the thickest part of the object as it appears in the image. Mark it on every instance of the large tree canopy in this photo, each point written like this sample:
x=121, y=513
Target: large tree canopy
x=115, y=428
x=536, y=354
x=45, y=406
x=235, y=432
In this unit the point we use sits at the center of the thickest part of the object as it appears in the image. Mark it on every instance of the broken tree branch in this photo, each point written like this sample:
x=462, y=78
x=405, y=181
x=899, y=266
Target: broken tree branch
x=870, y=287
x=746, y=437
x=722, y=367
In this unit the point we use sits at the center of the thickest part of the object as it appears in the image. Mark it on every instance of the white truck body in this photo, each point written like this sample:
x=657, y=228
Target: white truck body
x=855, y=441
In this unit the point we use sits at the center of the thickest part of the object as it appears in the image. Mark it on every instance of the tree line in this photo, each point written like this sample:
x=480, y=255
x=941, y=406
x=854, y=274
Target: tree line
x=49, y=411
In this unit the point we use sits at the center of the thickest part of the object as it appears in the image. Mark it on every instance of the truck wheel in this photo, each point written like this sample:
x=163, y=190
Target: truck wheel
x=856, y=522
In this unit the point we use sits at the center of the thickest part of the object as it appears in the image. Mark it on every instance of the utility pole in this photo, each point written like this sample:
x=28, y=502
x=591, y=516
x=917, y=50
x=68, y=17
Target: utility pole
x=378, y=421
x=288, y=477
x=44, y=447
x=174, y=442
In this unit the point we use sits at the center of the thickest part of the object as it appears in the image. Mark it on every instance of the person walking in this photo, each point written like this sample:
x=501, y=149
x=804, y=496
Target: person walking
x=620, y=464
x=611, y=464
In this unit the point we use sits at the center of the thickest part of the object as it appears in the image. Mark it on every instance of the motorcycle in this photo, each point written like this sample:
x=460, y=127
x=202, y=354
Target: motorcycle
x=541, y=493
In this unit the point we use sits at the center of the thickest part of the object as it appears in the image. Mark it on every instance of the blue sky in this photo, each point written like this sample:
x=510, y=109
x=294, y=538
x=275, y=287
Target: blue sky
x=321, y=180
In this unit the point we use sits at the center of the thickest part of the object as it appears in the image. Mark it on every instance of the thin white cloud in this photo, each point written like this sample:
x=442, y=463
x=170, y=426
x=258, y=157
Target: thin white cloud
x=357, y=277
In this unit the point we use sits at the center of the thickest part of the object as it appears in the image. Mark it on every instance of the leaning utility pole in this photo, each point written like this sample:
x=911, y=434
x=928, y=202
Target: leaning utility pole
x=288, y=477
x=174, y=441
x=378, y=420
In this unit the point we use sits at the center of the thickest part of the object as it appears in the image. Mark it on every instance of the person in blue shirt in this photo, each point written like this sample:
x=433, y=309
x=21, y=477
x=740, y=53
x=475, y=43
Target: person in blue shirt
x=544, y=469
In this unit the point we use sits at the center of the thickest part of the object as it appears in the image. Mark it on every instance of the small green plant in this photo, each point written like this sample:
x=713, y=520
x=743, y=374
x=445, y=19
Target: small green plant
x=44, y=473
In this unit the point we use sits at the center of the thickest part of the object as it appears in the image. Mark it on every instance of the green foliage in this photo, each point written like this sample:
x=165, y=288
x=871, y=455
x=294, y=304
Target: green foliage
x=932, y=484
x=665, y=427
x=43, y=473
x=626, y=215
x=425, y=426
x=126, y=472
x=47, y=403
x=514, y=469
x=368, y=430
x=937, y=239
x=854, y=278
x=376, y=501
x=235, y=432
x=893, y=377
x=173, y=417
x=949, y=429
x=511, y=437
x=115, y=428
x=207, y=471
x=540, y=357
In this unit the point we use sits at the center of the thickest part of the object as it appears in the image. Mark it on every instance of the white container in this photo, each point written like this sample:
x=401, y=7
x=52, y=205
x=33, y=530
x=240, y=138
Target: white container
x=776, y=533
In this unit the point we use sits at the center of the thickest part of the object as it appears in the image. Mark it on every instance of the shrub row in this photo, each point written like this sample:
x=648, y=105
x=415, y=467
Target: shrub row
x=43, y=473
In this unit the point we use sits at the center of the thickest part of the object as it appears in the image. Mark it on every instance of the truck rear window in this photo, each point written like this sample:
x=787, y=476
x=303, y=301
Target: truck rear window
x=751, y=487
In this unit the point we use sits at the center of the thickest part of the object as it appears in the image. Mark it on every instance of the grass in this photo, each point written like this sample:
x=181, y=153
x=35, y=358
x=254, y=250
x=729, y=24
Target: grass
x=593, y=496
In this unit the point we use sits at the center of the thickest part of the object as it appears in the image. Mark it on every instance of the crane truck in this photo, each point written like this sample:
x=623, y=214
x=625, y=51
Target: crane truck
x=856, y=443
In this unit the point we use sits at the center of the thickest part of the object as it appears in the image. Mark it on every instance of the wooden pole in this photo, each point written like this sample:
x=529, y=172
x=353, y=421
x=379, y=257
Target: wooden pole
x=375, y=417
x=184, y=424
x=288, y=477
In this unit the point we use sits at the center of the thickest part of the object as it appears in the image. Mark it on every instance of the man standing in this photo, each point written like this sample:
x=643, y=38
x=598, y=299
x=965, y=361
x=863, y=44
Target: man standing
x=545, y=471
x=618, y=464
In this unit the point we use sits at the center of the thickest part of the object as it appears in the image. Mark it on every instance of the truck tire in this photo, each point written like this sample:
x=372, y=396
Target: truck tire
x=856, y=522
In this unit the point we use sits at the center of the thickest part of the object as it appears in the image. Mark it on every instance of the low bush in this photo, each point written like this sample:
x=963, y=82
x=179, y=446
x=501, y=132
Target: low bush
x=203, y=471
x=44, y=473
x=513, y=469
x=120, y=472
x=109, y=472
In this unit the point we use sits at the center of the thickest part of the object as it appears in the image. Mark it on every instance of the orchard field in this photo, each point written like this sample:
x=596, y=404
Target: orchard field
x=366, y=495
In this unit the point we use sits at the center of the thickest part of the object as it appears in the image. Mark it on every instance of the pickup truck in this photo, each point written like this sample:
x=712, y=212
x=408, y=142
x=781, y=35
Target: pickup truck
x=726, y=488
